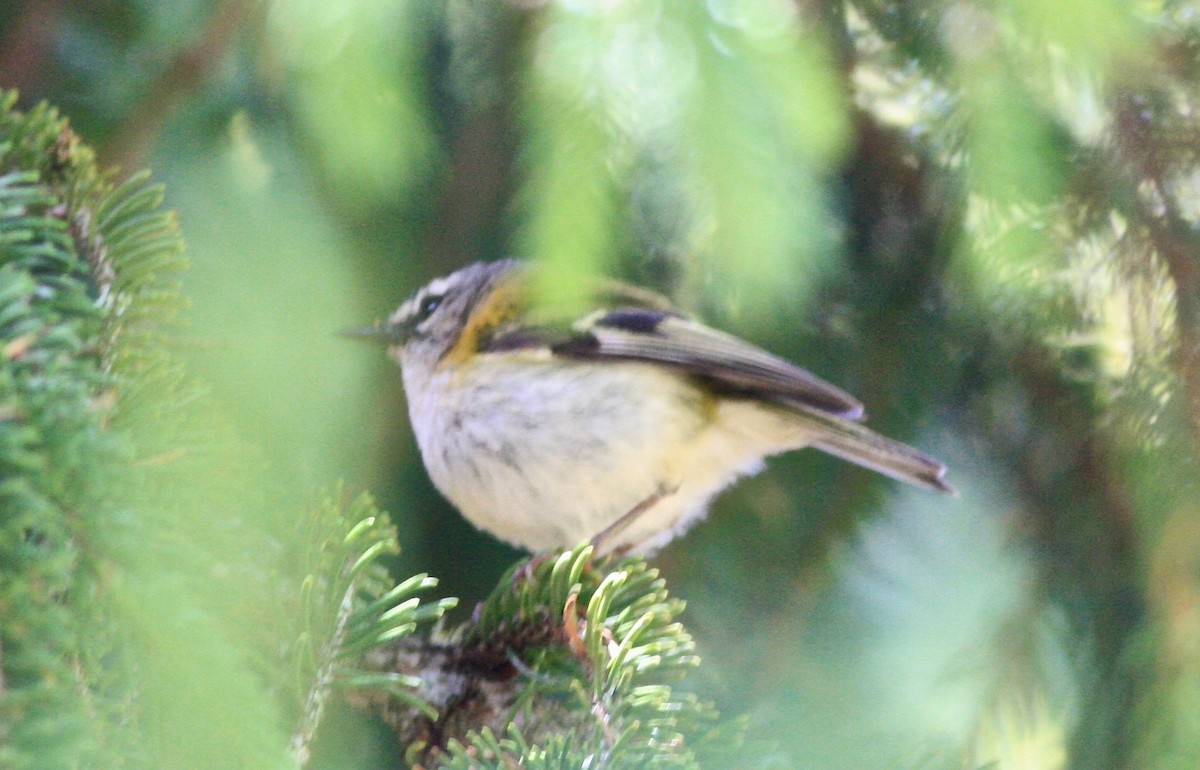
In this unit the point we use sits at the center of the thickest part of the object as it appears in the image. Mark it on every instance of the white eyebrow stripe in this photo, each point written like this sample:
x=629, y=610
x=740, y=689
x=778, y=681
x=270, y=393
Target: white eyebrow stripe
x=435, y=288
x=405, y=310
x=439, y=286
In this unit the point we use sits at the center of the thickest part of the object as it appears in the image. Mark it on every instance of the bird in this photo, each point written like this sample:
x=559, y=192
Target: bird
x=618, y=426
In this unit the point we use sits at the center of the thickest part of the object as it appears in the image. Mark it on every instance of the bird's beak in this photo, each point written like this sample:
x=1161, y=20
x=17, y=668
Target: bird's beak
x=383, y=333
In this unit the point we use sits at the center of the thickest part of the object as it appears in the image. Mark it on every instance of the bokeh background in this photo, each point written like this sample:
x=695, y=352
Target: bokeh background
x=979, y=217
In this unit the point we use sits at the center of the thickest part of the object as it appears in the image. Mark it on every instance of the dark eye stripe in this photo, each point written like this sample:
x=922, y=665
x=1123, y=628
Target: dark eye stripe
x=427, y=307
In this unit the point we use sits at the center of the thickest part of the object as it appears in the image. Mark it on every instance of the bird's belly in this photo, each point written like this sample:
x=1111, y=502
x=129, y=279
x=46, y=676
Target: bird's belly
x=548, y=456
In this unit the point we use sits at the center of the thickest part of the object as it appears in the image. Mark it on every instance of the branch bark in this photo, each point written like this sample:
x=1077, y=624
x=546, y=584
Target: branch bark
x=186, y=72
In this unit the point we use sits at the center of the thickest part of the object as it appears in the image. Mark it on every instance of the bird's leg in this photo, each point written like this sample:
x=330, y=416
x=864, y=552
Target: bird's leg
x=617, y=527
x=525, y=572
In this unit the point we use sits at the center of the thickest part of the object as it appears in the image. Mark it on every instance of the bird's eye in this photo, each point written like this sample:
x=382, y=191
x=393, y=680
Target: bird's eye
x=427, y=306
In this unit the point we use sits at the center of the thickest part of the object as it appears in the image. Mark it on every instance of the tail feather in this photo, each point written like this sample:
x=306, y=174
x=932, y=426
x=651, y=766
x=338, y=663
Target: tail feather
x=863, y=446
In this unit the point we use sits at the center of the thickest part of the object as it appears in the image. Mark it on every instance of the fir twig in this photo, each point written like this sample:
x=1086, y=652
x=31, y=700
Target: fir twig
x=349, y=608
x=570, y=663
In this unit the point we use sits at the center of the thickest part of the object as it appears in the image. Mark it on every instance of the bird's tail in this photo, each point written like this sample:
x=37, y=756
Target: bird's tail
x=863, y=446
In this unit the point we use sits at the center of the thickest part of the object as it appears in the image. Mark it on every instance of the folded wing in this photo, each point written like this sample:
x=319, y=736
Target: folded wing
x=726, y=362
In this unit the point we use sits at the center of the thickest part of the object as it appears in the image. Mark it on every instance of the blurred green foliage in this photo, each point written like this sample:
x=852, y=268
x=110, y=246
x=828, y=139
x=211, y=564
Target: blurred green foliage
x=979, y=217
x=150, y=617
x=118, y=593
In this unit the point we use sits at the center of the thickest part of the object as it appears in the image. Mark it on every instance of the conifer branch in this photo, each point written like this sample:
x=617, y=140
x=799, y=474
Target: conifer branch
x=348, y=608
x=569, y=663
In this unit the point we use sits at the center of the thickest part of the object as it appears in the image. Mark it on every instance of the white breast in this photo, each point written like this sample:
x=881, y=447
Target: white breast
x=547, y=454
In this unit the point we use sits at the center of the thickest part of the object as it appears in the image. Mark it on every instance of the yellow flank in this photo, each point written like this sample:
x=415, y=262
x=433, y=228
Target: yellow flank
x=707, y=406
x=505, y=303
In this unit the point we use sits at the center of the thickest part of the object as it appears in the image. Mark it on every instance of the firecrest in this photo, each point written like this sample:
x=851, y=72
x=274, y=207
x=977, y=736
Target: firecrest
x=619, y=427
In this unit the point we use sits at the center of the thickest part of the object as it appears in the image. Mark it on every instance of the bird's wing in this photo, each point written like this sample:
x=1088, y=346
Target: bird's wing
x=661, y=336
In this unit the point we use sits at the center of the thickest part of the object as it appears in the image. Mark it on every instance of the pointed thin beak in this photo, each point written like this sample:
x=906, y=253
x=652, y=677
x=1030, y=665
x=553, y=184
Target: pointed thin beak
x=382, y=333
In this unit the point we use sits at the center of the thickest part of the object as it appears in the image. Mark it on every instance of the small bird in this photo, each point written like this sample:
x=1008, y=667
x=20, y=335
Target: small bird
x=619, y=427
